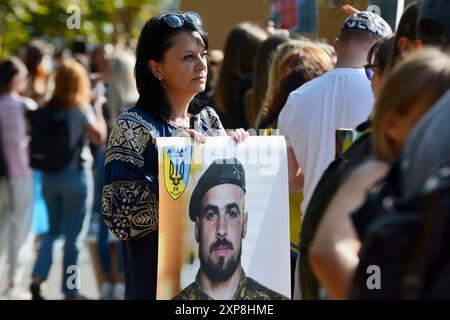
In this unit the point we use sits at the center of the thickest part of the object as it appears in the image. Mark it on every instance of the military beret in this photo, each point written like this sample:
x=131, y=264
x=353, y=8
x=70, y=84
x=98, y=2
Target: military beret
x=220, y=171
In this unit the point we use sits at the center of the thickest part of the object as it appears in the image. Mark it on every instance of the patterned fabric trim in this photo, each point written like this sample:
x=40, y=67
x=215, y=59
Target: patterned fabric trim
x=130, y=209
x=129, y=138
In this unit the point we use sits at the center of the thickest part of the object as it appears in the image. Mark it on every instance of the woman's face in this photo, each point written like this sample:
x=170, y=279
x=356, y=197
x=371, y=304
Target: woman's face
x=376, y=80
x=398, y=126
x=183, y=69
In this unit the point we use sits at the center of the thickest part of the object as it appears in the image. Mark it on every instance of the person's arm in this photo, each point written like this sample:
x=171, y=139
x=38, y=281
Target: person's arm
x=334, y=251
x=130, y=191
x=296, y=177
x=96, y=129
x=348, y=9
x=289, y=125
x=12, y=137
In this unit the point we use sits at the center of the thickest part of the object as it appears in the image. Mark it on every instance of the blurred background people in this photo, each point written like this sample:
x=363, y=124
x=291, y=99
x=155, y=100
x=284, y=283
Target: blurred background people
x=402, y=101
x=69, y=193
x=16, y=187
x=254, y=97
x=235, y=76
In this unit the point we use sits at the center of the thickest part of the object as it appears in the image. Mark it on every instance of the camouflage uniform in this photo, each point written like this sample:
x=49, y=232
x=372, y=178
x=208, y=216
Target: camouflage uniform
x=248, y=289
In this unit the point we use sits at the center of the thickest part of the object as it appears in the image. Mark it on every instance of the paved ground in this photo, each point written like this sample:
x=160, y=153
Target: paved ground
x=52, y=288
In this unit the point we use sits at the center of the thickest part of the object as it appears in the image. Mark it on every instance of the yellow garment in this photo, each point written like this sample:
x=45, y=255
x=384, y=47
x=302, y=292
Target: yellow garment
x=295, y=220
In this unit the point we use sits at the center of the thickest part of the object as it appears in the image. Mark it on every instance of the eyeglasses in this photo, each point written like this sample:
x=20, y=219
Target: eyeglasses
x=368, y=68
x=177, y=20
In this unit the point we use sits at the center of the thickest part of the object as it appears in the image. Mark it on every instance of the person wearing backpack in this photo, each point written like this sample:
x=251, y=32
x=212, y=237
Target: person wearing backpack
x=16, y=183
x=68, y=189
x=402, y=101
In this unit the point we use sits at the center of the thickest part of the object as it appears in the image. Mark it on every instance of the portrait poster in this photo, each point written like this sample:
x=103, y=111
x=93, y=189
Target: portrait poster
x=193, y=195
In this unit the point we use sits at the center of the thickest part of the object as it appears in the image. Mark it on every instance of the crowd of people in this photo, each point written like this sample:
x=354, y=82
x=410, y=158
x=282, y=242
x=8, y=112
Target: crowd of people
x=92, y=85
x=390, y=88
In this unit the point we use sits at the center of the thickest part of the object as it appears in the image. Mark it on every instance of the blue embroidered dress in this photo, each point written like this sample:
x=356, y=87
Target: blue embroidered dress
x=130, y=191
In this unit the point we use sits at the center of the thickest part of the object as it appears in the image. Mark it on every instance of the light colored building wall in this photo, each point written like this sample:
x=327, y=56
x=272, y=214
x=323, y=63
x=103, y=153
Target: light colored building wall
x=331, y=17
x=219, y=16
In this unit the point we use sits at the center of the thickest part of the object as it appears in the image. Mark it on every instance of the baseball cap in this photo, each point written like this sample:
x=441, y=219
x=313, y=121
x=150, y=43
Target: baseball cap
x=437, y=11
x=368, y=21
x=220, y=171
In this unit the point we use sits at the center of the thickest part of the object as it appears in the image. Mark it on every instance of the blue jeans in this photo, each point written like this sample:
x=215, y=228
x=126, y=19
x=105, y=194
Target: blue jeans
x=68, y=195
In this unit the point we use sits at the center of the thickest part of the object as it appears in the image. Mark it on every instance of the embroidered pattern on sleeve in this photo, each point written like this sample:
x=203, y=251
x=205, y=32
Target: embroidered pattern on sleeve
x=128, y=139
x=130, y=209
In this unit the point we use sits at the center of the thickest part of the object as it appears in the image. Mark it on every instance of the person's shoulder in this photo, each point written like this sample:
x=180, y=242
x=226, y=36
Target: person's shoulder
x=131, y=136
x=28, y=103
x=16, y=102
x=188, y=293
x=353, y=78
x=135, y=118
x=305, y=94
x=85, y=110
x=259, y=292
x=296, y=104
x=210, y=120
x=207, y=112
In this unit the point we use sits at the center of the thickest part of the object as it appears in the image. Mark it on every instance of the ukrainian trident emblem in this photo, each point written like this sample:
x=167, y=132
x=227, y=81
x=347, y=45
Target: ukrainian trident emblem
x=177, y=165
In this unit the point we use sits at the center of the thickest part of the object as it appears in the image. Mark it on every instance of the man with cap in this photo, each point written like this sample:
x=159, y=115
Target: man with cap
x=217, y=207
x=341, y=98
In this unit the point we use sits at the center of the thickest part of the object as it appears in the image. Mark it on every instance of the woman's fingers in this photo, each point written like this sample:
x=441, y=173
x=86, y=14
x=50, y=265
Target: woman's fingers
x=183, y=133
x=239, y=135
x=232, y=134
x=244, y=134
x=198, y=136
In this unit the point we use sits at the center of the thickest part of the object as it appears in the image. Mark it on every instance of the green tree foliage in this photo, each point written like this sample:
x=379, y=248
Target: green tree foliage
x=100, y=21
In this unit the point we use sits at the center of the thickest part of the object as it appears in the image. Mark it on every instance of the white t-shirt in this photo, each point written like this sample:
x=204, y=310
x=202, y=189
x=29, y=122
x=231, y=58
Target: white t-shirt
x=341, y=98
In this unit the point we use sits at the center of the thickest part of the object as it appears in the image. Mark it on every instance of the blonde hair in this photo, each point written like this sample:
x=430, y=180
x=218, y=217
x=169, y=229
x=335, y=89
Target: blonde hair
x=281, y=51
x=274, y=70
x=122, y=92
x=72, y=85
x=423, y=74
x=301, y=55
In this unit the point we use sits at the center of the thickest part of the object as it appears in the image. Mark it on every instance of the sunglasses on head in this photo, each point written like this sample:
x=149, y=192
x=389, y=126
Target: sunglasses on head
x=369, y=70
x=177, y=20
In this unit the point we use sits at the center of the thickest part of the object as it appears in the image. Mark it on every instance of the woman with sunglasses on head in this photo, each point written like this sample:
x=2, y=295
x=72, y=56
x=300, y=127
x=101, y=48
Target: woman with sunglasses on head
x=171, y=69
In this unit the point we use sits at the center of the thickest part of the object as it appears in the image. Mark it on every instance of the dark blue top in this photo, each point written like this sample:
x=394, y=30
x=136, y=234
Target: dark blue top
x=130, y=191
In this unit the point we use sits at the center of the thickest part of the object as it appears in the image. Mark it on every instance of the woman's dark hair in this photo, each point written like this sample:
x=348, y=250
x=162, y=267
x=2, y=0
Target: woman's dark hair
x=261, y=65
x=8, y=70
x=380, y=53
x=34, y=53
x=240, y=49
x=406, y=28
x=155, y=39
